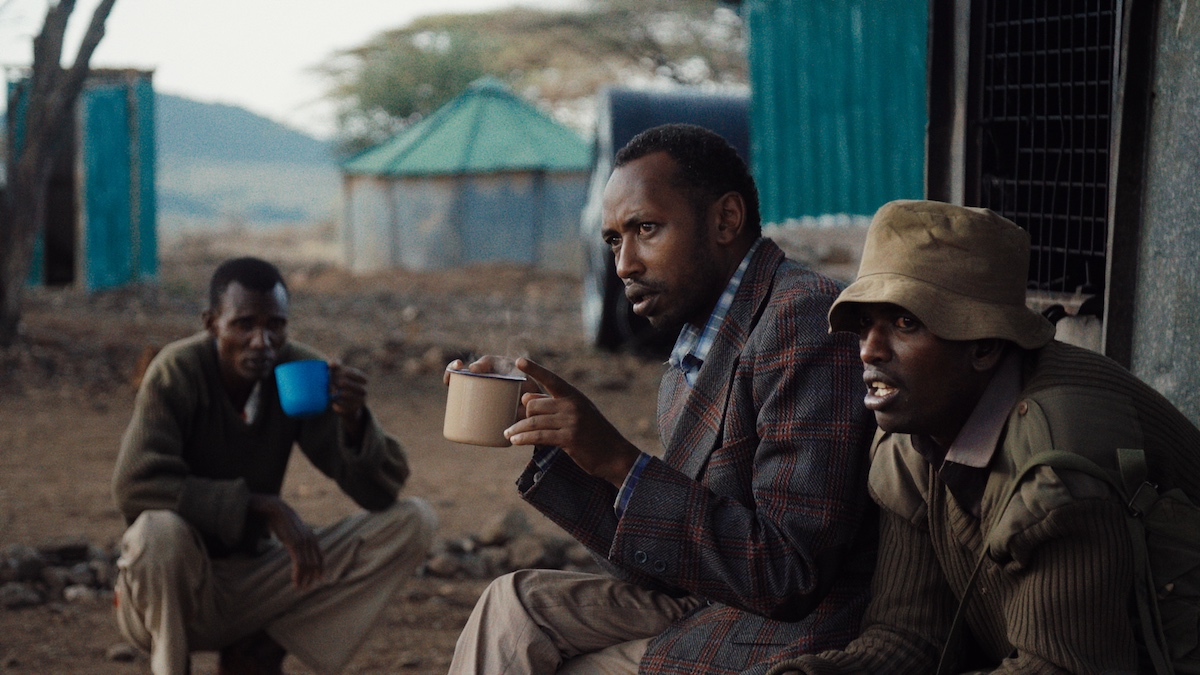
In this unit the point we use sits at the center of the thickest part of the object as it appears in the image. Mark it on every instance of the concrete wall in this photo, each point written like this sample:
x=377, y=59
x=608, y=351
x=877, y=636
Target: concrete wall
x=1166, y=333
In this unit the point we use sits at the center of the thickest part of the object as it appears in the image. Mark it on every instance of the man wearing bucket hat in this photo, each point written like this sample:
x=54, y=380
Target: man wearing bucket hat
x=214, y=558
x=751, y=538
x=967, y=386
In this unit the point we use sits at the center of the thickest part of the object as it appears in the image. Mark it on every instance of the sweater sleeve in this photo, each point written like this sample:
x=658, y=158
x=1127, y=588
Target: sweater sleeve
x=1067, y=611
x=1071, y=609
x=150, y=472
x=371, y=474
x=911, y=610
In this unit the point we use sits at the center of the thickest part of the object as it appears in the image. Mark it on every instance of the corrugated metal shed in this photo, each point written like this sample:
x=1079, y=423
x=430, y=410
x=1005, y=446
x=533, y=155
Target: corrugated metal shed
x=101, y=211
x=487, y=128
x=837, y=114
x=487, y=177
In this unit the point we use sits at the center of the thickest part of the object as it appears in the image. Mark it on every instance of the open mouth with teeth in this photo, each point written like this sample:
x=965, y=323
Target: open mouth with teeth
x=881, y=390
x=880, y=394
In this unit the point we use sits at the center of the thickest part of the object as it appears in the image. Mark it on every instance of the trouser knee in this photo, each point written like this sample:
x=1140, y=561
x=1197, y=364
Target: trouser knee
x=414, y=517
x=158, y=537
x=504, y=591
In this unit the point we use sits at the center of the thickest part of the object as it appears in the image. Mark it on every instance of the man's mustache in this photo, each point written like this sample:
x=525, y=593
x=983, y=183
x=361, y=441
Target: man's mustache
x=638, y=289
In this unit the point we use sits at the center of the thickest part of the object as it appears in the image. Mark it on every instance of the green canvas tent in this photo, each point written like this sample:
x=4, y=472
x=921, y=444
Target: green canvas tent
x=486, y=177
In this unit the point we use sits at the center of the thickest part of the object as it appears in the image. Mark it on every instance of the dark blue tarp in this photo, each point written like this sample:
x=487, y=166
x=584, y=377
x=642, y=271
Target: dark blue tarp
x=631, y=111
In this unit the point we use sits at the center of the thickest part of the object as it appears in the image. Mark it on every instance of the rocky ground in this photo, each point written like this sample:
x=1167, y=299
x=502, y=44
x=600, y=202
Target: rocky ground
x=66, y=392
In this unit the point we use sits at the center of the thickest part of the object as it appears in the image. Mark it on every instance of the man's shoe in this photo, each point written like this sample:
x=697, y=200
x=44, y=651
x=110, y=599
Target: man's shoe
x=255, y=654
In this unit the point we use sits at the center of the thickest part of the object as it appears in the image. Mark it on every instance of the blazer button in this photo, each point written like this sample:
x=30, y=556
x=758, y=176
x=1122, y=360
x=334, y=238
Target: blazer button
x=1023, y=407
x=639, y=557
x=660, y=566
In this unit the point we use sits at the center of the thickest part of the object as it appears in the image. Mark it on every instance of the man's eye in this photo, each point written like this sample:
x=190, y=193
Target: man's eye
x=906, y=322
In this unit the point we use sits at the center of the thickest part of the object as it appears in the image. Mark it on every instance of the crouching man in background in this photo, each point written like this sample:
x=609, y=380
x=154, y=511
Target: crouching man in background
x=968, y=386
x=213, y=558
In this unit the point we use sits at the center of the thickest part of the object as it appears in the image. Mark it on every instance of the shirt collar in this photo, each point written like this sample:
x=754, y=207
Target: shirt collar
x=963, y=468
x=976, y=442
x=692, y=346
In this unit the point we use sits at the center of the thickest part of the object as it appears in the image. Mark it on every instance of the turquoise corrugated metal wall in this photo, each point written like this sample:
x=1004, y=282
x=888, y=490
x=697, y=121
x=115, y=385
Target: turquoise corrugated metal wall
x=837, y=112
x=118, y=199
x=146, y=230
x=108, y=234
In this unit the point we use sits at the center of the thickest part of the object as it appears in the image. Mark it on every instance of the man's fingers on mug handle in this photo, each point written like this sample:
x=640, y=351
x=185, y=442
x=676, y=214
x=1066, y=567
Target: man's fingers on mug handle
x=553, y=384
x=484, y=364
x=456, y=364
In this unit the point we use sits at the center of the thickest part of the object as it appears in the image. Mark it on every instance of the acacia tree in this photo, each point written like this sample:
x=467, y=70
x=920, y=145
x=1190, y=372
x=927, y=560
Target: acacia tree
x=557, y=57
x=46, y=101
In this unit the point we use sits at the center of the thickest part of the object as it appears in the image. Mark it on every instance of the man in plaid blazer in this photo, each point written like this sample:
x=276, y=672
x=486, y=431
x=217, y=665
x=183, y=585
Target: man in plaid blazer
x=751, y=540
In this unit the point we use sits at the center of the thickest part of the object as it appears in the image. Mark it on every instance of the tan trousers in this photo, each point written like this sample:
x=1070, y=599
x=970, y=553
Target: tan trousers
x=172, y=599
x=537, y=622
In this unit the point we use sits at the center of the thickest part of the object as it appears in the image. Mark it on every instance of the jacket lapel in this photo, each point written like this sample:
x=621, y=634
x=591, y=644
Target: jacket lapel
x=691, y=419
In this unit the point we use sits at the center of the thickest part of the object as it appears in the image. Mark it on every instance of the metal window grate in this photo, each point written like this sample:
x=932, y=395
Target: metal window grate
x=1045, y=114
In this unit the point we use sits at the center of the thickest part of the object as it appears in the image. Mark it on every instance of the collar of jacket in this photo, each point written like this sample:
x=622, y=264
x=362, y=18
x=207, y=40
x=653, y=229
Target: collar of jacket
x=711, y=390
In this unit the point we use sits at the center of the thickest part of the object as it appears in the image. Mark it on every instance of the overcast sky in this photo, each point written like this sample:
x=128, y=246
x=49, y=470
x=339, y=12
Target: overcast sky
x=257, y=54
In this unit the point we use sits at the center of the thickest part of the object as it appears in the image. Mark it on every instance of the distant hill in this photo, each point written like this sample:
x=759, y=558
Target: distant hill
x=190, y=129
x=222, y=167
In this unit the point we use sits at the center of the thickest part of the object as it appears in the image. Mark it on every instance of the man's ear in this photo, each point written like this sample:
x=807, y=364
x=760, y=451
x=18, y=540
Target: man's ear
x=209, y=317
x=731, y=216
x=986, y=354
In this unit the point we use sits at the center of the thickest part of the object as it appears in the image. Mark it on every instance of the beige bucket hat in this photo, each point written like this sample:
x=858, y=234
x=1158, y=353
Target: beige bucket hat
x=961, y=271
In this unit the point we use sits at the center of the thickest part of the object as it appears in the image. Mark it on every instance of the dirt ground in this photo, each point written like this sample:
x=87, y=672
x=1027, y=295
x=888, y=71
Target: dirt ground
x=67, y=389
x=67, y=392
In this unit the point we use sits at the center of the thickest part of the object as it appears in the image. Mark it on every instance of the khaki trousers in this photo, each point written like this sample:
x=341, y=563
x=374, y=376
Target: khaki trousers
x=537, y=622
x=172, y=599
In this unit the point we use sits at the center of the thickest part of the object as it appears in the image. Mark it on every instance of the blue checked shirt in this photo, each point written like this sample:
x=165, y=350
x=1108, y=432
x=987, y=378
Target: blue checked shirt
x=691, y=348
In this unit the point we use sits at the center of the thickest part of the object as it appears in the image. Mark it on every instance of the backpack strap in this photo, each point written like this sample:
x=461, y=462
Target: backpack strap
x=1139, y=495
x=959, y=618
x=1139, y=492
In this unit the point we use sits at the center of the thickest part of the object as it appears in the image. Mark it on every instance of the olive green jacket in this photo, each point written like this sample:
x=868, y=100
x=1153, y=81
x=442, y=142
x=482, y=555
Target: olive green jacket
x=1055, y=594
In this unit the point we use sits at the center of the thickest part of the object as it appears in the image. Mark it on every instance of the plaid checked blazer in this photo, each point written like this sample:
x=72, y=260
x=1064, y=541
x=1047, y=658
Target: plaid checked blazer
x=759, y=503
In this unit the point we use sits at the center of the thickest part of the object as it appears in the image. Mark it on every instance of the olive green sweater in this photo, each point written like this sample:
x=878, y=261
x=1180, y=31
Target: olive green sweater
x=1055, y=595
x=188, y=450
